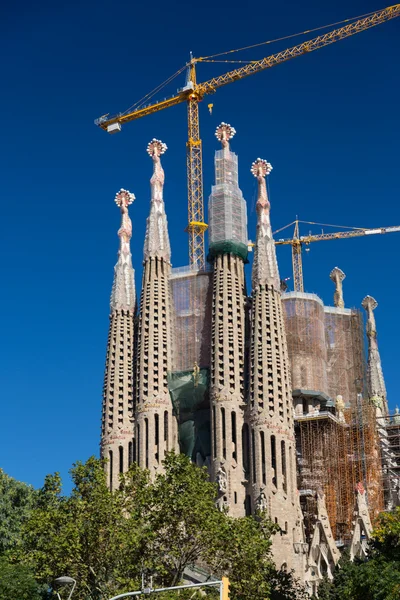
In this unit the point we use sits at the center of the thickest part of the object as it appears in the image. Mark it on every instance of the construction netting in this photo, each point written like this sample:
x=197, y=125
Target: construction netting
x=305, y=332
x=189, y=380
x=227, y=214
x=346, y=366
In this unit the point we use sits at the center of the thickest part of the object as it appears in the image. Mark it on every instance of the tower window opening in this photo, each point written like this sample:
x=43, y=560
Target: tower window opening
x=146, y=442
x=110, y=468
x=121, y=459
x=234, y=445
x=214, y=434
x=283, y=459
x=273, y=460
x=138, y=443
x=246, y=448
x=263, y=462
x=166, y=430
x=156, y=437
x=223, y=424
x=253, y=457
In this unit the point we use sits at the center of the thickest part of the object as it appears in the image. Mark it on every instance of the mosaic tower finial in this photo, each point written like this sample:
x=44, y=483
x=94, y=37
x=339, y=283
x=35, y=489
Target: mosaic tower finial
x=224, y=133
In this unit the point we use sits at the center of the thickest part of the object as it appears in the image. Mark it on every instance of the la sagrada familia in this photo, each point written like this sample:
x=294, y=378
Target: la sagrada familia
x=202, y=367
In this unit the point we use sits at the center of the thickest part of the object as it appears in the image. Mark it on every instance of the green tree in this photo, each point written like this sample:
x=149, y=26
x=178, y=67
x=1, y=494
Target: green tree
x=106, y=540
x=16, y=501
x=18, y=582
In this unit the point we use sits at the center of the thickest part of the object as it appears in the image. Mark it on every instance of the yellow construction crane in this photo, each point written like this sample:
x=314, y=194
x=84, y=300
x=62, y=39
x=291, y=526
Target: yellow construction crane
x=299, y=241
x=193, y=92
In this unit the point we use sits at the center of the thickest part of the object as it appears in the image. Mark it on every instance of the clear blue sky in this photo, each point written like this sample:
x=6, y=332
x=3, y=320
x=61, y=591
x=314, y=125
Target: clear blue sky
x=328, y=122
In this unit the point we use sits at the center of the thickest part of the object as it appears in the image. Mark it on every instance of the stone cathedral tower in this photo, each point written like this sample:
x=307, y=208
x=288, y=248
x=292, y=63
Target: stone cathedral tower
x=269, y=417
x=117, y=419
x=156, y=426
x=228, y=250
x=375, y=379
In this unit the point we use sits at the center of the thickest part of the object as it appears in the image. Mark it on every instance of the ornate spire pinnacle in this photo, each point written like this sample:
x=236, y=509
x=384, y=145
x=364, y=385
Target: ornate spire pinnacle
x=123, y=291
x=156, y=242
x=376, y=382
x=265, y=266
x=224, y=133
x=337, y=277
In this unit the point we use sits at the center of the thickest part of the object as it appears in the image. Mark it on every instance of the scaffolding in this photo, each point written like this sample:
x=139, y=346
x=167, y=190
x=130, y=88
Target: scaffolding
x=191, y=295
x=227, y=213
x=335, y=453
x=188, y=381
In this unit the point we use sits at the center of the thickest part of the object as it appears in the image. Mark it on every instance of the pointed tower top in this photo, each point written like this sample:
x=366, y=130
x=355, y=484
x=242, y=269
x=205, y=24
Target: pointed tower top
x=224, y=133
x=265, y=266
x=370, y=304
x=375, y=379
x=156, y=242
x=123, y=290
x=337, y=277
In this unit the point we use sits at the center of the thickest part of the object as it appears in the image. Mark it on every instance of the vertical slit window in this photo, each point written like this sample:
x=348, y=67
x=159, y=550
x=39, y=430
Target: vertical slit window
x=121, y=459
x=283, y=459
x=273, y=460
x=166, y=430
x=234, y=445
x=134, y=450
x=138, y=444
x=263, y=463
x=156, y=437
x=223, y=424
x=215, y=433
x=246, y=448
x=146, y=442
x=253, y=452
x=130, y=453
x=110, y=462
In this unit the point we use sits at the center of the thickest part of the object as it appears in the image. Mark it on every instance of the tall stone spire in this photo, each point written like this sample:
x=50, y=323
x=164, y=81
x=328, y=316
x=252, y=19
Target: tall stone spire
x=337, y=277
x=156, y=242
x=269, y=430
x=228, y=249
x=375, y=379
x=156, y=426
x=265, y=267
x=117, y=441
x=123, y=291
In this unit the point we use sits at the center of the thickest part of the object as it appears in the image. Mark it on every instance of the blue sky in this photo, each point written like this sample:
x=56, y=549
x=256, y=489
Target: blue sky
x=328, y=122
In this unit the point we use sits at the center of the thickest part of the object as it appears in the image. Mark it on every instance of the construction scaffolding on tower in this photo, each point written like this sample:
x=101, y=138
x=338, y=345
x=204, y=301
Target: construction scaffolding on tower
x=188, y=382
x=336, y=434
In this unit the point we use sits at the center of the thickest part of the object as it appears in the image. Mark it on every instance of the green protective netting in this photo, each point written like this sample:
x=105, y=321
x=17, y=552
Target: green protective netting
x=228, y=247
x=189, y=395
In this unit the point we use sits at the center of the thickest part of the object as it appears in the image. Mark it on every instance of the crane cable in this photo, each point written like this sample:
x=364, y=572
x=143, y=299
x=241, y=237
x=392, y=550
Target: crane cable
x=149, y=95
x=286, y=37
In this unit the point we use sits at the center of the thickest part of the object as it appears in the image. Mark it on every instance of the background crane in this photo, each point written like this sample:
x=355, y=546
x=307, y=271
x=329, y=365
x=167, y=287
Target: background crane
x=192, y=93
x=299, y=241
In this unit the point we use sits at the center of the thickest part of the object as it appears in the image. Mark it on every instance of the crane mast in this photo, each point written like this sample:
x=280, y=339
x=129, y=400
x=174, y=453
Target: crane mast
x=192, y=93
